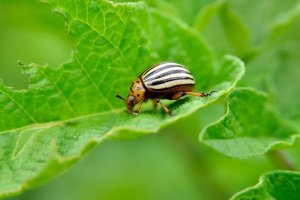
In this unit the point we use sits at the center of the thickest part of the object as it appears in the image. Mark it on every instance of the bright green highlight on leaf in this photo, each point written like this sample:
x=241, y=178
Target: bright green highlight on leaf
x=273, y=185
x=249, y=127
x=68, y=109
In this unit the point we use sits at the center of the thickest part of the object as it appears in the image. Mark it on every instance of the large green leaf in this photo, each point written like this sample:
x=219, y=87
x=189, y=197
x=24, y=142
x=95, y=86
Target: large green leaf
x=250, y=126
x=68, y=109
x=273, y=185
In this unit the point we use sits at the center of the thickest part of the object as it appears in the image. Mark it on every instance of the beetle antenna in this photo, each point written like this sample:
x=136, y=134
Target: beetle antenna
x=118, y=96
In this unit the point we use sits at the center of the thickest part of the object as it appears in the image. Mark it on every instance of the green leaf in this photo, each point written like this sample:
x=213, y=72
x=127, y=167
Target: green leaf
x=274, y=69
x=283, y=25
x=179, y=8
x=231, y=27
x=237, y=33
x=273, y=185
x=68, y=109
x=224, y=29
x=250, y=126
x=206, y=13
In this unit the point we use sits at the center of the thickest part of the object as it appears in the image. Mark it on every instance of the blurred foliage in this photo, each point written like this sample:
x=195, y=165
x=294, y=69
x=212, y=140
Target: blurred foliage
x=29, y=33
x=172, y=164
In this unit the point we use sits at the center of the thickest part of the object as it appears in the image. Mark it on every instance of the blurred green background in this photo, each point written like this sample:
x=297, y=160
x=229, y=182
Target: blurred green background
x=29, y=32
x=170, y=165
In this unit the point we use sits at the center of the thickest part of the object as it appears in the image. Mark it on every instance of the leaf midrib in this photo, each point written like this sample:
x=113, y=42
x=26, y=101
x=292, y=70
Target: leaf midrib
x=51, y=124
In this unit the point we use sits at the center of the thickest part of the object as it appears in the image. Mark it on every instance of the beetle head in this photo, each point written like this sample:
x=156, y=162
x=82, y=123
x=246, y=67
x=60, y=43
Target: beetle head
x=129, y=102
x=136, y=94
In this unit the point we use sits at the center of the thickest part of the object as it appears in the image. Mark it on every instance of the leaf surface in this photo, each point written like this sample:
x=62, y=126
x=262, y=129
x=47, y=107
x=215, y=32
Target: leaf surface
x=68, y=109
x=250, y=126
x=273, y=185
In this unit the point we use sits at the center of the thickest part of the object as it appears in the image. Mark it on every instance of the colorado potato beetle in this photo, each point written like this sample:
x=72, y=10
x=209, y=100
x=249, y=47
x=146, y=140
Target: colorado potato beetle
x=166, y=80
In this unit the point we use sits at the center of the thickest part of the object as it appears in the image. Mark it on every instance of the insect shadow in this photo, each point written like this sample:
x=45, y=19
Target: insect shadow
x=178, y=103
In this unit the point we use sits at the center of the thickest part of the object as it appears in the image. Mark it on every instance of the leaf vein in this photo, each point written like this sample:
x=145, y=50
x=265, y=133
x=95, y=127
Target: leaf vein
x=93, y=82
x=61, y=93
x=31, y=117
x=109, y=41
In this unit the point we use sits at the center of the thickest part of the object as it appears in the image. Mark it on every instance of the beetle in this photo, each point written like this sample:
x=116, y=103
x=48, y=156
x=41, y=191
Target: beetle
x=165, y=80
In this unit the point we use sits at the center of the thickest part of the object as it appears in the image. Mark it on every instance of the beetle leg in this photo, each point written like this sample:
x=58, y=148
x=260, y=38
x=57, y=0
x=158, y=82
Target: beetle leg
x=202, y=94
x=138, y=110
x=167, y=110
x=154, y=102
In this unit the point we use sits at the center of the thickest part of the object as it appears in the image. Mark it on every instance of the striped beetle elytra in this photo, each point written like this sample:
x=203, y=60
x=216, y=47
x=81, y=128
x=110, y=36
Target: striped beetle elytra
x=166, y=80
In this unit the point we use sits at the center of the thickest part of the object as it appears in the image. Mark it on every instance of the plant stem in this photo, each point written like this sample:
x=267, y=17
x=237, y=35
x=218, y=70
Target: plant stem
x=281, y=160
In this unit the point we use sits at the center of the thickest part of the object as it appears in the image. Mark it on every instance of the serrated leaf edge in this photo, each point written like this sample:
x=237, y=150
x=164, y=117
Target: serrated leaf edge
x=292, y=138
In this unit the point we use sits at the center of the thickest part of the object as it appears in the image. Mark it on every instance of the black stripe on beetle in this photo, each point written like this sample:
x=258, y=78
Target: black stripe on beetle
x=165, y=80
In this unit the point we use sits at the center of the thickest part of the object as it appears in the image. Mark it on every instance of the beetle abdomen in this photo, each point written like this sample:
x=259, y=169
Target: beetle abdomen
x=167, y=75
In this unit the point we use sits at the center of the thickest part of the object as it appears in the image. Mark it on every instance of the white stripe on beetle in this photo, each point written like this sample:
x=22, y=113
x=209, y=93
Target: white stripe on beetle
x=155, y=74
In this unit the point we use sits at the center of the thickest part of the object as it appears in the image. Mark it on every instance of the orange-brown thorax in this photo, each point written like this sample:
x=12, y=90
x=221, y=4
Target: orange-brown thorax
x=136, y=94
